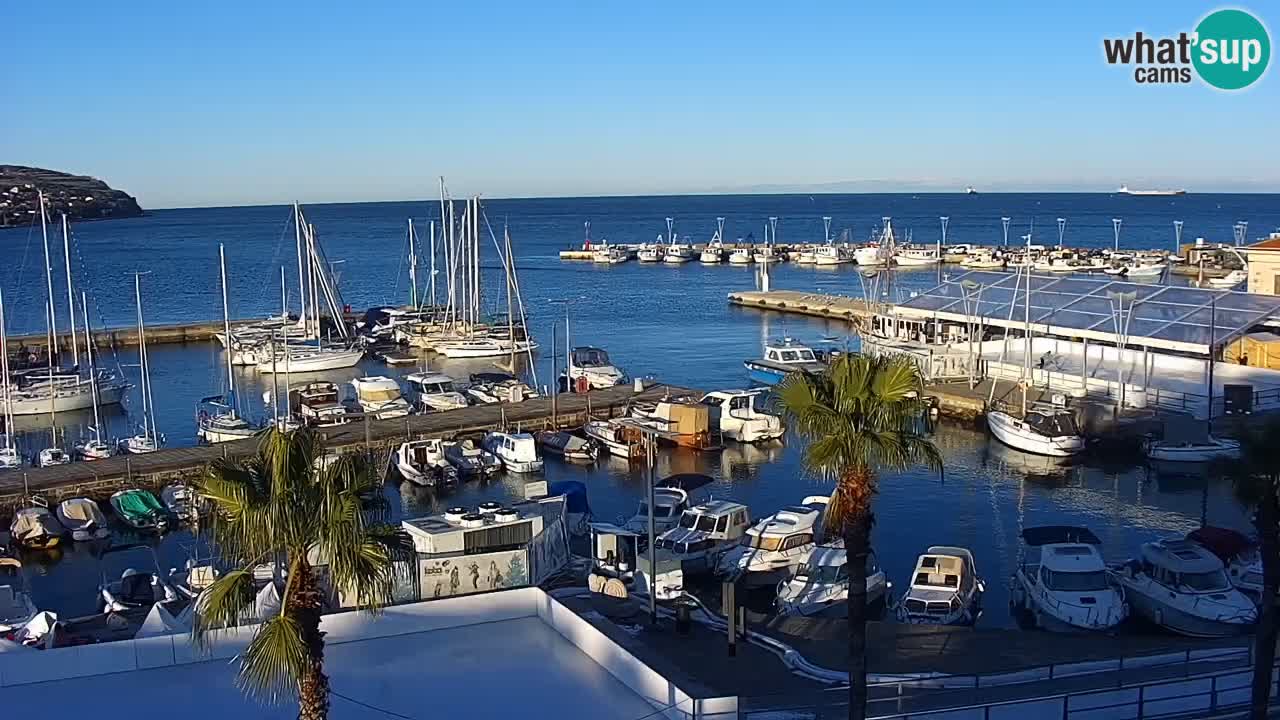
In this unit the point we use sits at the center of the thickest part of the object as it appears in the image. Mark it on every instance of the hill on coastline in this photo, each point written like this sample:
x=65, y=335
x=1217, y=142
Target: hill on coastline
x=78, y=196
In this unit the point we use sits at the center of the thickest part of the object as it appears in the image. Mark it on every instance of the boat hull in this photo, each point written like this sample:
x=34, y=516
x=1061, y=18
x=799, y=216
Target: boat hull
x=1010, y=432
x=82, y=400
x=311, y=363
x=1193, y=453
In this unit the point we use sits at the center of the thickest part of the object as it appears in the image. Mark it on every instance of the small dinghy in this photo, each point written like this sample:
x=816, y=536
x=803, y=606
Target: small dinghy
x=1206, y=450
x=568, y=446
x=84, y=519
x=469, y=460
x=35, y=528
x=140, y=510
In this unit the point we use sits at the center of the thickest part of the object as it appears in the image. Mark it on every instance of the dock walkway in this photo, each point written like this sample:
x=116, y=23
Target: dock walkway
x=836, y=307
x=153, y=470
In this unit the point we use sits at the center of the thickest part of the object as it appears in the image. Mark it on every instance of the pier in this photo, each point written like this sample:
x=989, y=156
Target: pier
x=99, y=478
x=171, y=334
x=836, y=307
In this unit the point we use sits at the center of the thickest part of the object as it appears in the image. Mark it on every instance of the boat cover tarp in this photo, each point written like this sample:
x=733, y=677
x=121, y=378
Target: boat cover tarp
x=575, y=494
x=160, y=622
x=34, y=523
x=139, y=503
x=136, y=588
x=1223, y=542
x=1054, y=534
x=82, y=512
x=267, y=604
x=685, y=481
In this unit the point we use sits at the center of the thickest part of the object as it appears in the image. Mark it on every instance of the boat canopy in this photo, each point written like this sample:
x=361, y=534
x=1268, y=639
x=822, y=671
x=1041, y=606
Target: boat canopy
x=34, y=522
x=587, y=356
x=1059, y=534
x=575, y=495
x=491, y=377
x=139, y=502
x=1227, y=544
x=1051, y=422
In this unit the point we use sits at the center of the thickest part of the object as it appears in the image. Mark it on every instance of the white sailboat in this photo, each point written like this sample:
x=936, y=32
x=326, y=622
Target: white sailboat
x=94, y=448
x=9, y=457
x=217, y=419
x=146, y=441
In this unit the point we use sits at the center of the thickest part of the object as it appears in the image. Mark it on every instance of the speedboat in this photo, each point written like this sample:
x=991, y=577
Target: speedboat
x=621, y=437
x=380, y=397
x=435, y=392
x=781, y=359
x=1142, y=271
x=84, y=519
x=741, y=256
x=1181, y=586
x=820, y=587
x=133, y=588
x=180, y=500
x=16, y=607
x=704, y=533
x=1239, y=555
x=568, y=446
x=1211, y=448
x=735, y=416
x=670, y=500
x=422, y=462
x=50, y=457
x=1232, y=279
x=35, y=528
x=469, y=460
x=776, y=545
x=592, y=366
x=517, y=451
x=1063, y=582
x=1044, y=430
x=945, y=589
x=140, y=510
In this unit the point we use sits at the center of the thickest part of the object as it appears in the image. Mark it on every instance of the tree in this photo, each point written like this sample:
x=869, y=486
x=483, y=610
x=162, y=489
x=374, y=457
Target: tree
x=1256, y=477
x=290, y=502
x=861, y=417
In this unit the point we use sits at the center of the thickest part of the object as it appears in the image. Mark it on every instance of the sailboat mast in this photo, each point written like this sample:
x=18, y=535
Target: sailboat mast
x=48, y=277
x=511, y=317
x=413, y=269
x=1026, y=332
x=93, y=370
x=148, y=412
x=311, y=282
x=71, y=303
x=226, y=328
x=302, y=282
x=4, y=377
x=53, y=390
x=275, y=382
x=432, y=280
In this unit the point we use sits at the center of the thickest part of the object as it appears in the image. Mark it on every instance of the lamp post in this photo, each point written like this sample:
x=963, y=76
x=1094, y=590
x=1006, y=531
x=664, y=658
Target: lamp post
x=1004, y=221
x=1115, y=227
x=1177, y=237
x=1062, y=229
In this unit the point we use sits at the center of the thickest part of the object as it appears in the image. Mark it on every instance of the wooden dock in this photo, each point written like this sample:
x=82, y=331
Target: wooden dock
x=175, y=333
x=836, y=307
x=100, y=478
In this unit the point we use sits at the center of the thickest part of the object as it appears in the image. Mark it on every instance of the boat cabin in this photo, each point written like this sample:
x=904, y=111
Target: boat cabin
x=317, y=403
x=705, y=531
x=431, y=383
x=789, y=353
x=1183, y=567
x=1064, y=559
x=1238, y=553
x=1051, y=421
x=943, y=588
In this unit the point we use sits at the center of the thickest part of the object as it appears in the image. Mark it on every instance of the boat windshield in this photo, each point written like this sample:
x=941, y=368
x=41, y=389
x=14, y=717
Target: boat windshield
x=1211, y=581
x=823, y=574
x=761, y=542
x=438, y=388
x=1074, y=581
x=590, y=358
x=697, y=521
x=1052, y=424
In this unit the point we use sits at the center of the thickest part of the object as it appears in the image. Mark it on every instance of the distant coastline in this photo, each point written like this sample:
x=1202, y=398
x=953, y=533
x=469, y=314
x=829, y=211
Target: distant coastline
x=79, y=197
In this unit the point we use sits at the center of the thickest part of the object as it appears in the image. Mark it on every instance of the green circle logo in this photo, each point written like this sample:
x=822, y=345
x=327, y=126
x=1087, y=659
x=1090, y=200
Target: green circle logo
x=1232, y=49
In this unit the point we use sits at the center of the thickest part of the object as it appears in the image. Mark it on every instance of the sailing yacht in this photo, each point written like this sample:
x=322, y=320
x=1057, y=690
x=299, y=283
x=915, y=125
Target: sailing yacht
x=216, y=417
x=9, y=457
x=146, y=441
x=94, y=448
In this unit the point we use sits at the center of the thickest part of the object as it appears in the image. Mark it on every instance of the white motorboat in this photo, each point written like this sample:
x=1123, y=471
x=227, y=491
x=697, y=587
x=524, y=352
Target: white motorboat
x=180, y=500
x=873, y=255
x=621, y=437
x=593, y=366
x=570, y=447
x=735, y=416
x=820, y=587
x=606, y=254
x=16, y=606
x=1044, y=430
x=140, y=510
x=677, y=253
x=435, y=392
x=1143, y=271
x=489, y=388
x=35, y=528
x=318, y=404
x=1232, y=279
x=1181, y=586
x=1063, y=584
x=1206, y=450
x=713, y=253
x=469, y=460
x=704, y=533
x=741, y=256
x=982, y=260
x=766, y=254
x=781, y=359
x=517, y=451
x=1240, y=556
x=829, y=255
x=299, y=359
x=84, y=519
x=651, y=253
x=805, y=255
x=380, y=397
x=908, y=256
x=945, y=589
x=776, y=545
x=422, y=462
x=10, y=459
x=670, y=500
x=485, y=347
x=50, y=457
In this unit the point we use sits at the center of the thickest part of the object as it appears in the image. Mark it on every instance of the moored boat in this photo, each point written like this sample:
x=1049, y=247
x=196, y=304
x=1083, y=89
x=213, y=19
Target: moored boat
x=140, y=510
x=517, y=451
x=1043, y=430
x=944, y=590
x=820, y=587
x=422, y=462
x=781, y=359
x=569, y=446
x=84, y=519
x=35, y=528
x=1063, y=584
x=1181, y=586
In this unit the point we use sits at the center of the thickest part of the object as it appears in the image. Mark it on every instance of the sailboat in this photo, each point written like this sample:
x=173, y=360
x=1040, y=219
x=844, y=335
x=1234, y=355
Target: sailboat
x=9, y=457
x=94, y=449
x=52, y=455
x=145, y=441
x=216, y=417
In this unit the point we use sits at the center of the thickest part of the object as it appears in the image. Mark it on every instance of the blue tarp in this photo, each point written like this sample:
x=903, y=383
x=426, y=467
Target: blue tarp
x=575, y=495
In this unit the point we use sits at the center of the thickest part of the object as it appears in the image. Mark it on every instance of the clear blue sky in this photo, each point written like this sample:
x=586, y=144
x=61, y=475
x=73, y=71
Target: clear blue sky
x=186, y=104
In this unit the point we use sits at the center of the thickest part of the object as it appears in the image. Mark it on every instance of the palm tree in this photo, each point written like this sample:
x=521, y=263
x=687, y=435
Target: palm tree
x=1257, y=483
x=860, y=417
x=290, y=502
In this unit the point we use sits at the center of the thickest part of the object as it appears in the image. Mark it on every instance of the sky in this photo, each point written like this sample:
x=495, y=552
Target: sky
x=231, y=103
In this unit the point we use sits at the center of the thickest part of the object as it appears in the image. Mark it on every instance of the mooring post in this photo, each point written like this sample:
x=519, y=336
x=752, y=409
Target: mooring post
x=368, y=445
x=731, y=616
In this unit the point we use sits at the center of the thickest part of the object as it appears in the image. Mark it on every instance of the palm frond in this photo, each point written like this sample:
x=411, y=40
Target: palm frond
x=275, y=659
x=221, y=604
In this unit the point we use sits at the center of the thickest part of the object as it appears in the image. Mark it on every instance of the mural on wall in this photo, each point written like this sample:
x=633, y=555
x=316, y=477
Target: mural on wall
x=467, y=574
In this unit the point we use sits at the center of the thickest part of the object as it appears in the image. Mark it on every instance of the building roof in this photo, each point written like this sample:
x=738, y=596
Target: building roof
x=1271, y=243
x=1161, y=316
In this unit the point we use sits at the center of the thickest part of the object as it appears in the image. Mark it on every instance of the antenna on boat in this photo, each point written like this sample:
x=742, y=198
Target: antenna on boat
x=1004, y=221
x=1177, y=236
x=1062, y=229
x=1115, y=225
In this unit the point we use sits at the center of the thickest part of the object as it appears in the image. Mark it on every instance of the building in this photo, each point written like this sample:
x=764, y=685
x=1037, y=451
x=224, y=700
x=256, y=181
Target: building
x=1264, y=265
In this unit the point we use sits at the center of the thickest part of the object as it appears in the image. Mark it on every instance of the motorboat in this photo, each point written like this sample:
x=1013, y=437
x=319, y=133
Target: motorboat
x=1205, y=450
x=181, y=501
x=704, y=533
x=469, y=460
x=873, y=255
x=1043, y=430
x=908, y=256
x=35, y=528
x=84, y=519
x=1181, y=586
x=781, y=359
x=650, y=253
x=678, y=253
x=435, y=392
x=133, y=588
x=1239, y=555
x=831, y=255
x=307, y=359
x=49, y=457
x=1145, y=271
x=570, y=447
x=488, y=388
x=485, y=347
x=517, y=451
x=741, y=256
x=422, y=462
x=380, y=397
x=765, y=254
x=945, y=589
x=606, y=254
x=776, y=545
x=982, y=260
x=318, y=404
x=16, y=606
x=713, y=253
x=217, y=421
x=592, y=366
x=820, y=586
x=807, y=255
x=1063, y=584
x=1230, y=280
x=670, y=500
x=735, y=416
x=621, y=437
x=679, y=421
x=140, y=510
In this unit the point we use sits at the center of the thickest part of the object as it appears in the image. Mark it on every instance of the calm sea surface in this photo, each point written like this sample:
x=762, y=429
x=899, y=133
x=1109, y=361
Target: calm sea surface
x=669, y=322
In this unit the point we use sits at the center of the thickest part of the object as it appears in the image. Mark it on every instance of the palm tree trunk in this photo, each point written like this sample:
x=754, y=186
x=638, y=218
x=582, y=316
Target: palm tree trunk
x=1264, y=648
x=855, y=490
x=305, y=605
